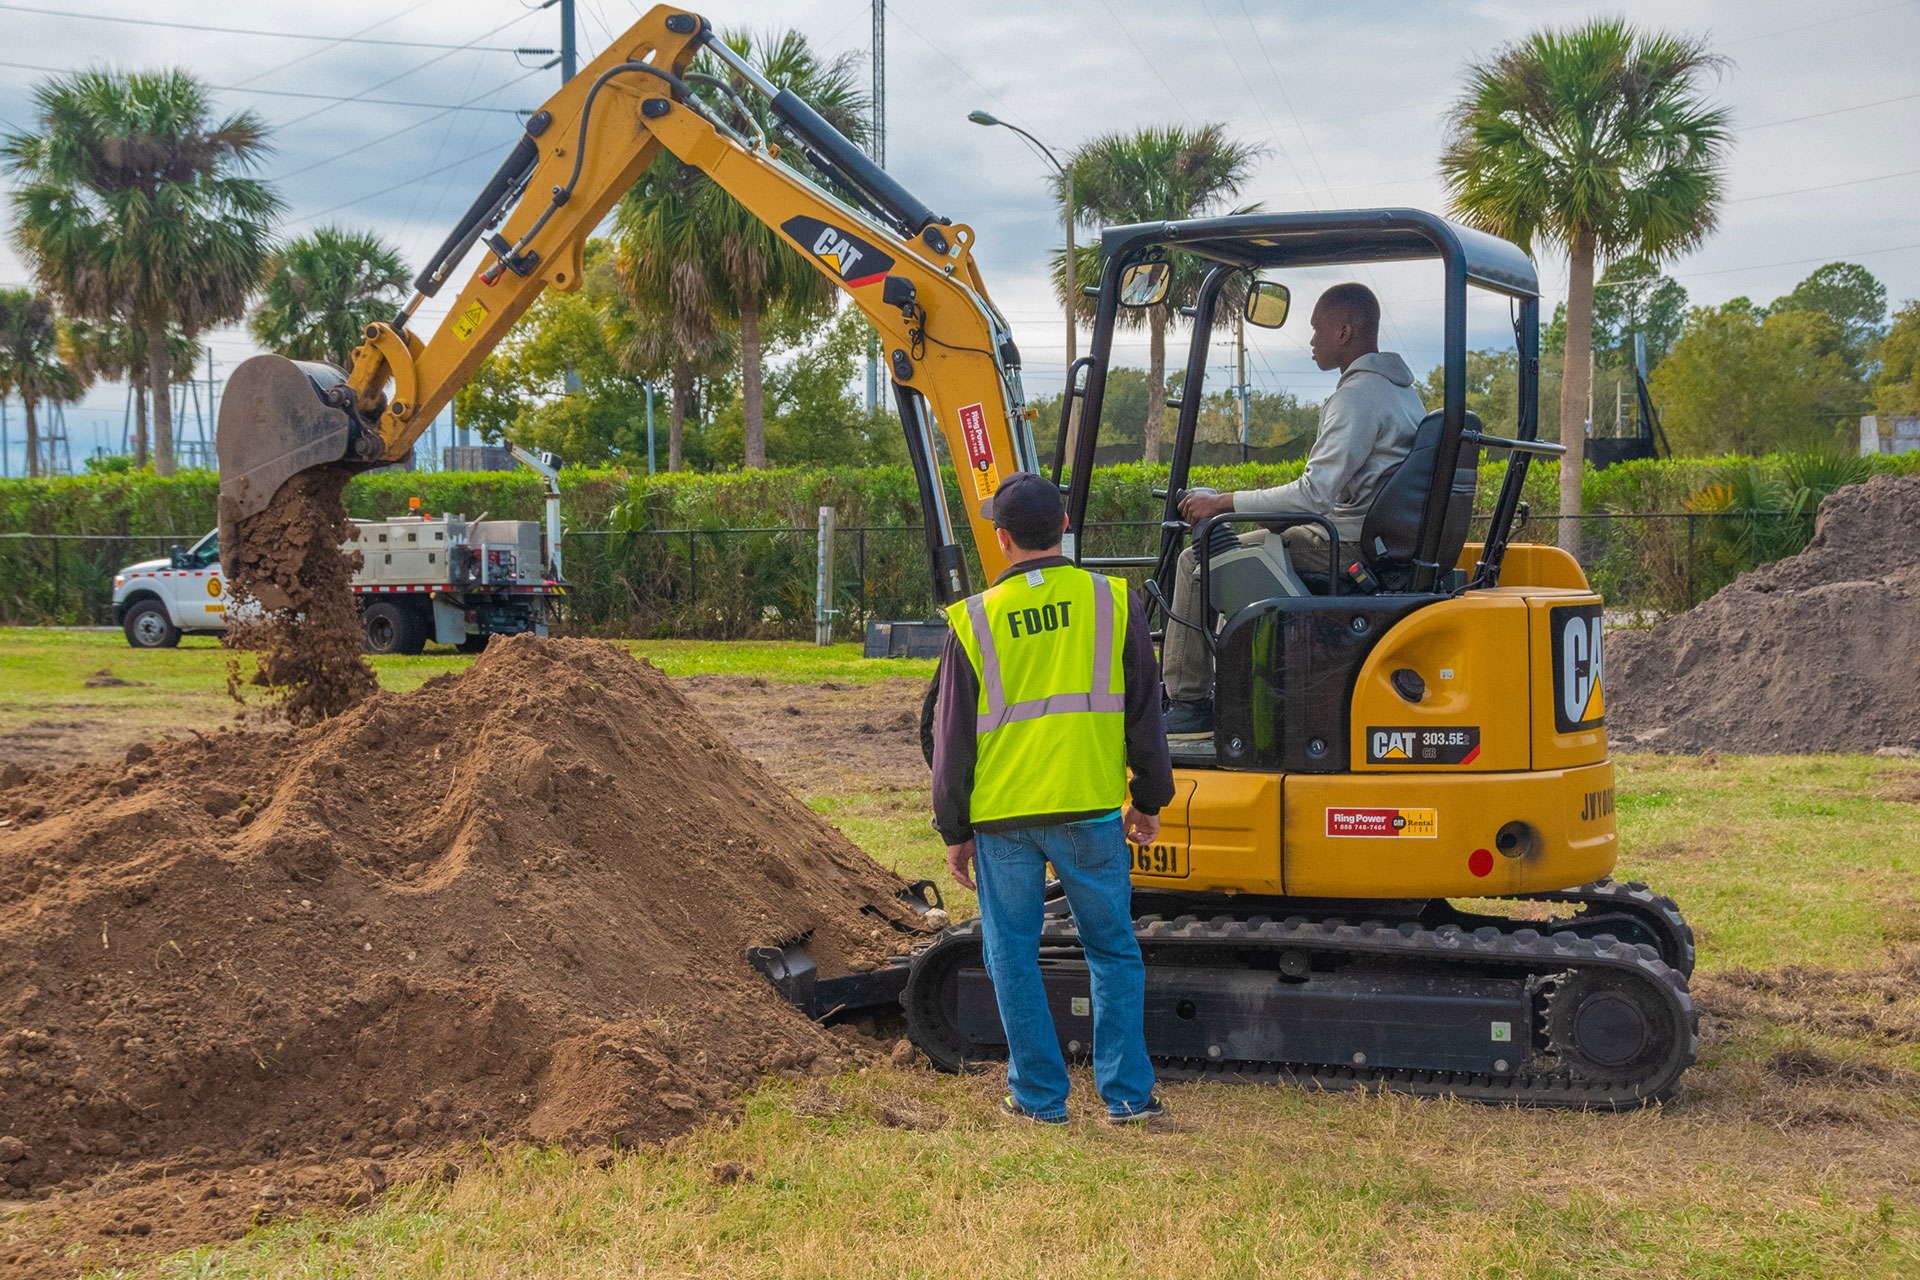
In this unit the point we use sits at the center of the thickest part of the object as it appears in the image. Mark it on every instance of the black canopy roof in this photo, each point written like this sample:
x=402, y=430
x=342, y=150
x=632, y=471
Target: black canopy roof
x=1337, y=237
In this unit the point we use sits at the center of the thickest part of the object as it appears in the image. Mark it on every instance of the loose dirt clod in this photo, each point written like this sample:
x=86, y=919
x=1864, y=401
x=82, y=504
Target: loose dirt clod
x=1816, y=652
x=590, y=863
x=305, y=633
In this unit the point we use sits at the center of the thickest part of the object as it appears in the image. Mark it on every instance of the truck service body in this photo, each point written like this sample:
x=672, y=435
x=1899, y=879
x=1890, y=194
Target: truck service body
x=447, y=579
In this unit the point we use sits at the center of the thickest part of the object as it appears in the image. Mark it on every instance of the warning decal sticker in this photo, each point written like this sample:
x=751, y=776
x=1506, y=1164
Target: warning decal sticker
x=1405, y=824
x=1390, y=744
x=469, y=320
x=973, y=425
x=1579, y=702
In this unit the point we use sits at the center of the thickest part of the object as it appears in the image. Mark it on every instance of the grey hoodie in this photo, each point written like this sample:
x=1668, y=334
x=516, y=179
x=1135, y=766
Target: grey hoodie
x=1366, y=426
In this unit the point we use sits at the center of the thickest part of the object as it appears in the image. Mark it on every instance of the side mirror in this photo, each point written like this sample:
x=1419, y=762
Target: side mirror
x=1267, y=304
x=177, y=555
x=1144, y=284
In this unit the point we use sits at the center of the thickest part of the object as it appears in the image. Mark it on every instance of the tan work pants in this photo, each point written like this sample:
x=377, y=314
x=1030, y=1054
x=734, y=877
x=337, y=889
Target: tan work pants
x=1186, y=668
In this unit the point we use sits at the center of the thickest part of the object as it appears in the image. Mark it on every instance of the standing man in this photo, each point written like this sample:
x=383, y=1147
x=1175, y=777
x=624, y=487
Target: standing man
x=1048, y=693
x=1366, y=429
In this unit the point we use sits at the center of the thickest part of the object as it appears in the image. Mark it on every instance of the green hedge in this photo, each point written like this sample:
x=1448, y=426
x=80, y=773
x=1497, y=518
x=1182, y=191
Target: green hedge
x=633, y=576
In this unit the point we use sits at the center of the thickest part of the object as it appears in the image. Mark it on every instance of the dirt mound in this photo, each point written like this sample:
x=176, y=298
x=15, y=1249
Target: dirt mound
x=1816, y=652
x=305, y=633
x=514, y=902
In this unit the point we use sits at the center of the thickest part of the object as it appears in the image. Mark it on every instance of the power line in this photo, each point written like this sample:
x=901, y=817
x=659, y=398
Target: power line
x=1258, y=101
x=1128, y=33
x=280, y=93
x=409, y=180
x=338, y=40
x=929, y=42
x=416, y=69
x=238, y=31
x=1828, y=186
x=1822, y=22
x=361, y=147
x=1816, y=115
x=1759, y=266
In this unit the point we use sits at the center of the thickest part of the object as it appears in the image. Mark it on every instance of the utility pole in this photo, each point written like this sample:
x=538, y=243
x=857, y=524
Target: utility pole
x=569, y=58
x=877, y=148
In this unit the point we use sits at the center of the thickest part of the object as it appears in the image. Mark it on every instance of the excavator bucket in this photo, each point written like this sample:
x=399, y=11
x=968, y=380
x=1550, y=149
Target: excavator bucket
x=277, y=419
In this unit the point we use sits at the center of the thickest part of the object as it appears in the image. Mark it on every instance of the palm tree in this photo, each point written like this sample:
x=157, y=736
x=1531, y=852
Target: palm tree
x=1595, y=140
x=30, y=363
x=665, y=281
x=754, y=272
x=133, y=204
x=112, y=350
x=1161, y=174
x=323, y=290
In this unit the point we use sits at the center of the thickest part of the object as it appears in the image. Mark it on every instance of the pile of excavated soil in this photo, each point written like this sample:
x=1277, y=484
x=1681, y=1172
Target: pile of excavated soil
x=1817, y=652
x=291, y=588
x=515, y=902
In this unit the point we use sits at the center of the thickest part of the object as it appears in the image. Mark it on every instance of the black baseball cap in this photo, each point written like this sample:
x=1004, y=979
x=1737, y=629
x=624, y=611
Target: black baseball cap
x=1029, y=507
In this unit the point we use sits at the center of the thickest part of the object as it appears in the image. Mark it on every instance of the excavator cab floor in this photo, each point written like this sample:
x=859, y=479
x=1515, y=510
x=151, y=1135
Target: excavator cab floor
x=1192, y=750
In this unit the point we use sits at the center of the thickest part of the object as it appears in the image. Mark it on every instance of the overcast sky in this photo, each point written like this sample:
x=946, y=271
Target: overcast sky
x=1347, y=99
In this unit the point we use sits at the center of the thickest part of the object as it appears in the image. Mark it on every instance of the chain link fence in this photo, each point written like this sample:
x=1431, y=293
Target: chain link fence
x=726, y=583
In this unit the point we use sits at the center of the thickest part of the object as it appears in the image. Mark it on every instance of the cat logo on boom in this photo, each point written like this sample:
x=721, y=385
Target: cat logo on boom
x=1579, y=704
x=855, y=261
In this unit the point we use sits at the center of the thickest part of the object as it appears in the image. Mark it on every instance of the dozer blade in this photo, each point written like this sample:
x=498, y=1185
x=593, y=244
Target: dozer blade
x=275, y=423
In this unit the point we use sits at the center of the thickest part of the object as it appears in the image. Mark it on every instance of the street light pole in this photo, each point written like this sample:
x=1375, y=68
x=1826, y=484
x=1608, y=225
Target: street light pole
x=1065, y=173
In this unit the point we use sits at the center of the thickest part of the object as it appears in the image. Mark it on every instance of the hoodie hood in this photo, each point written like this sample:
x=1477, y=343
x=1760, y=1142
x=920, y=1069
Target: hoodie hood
x=1385, y=363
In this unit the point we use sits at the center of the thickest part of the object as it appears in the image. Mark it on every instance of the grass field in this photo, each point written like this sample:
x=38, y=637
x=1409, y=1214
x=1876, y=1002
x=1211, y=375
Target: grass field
x=1792, y=1150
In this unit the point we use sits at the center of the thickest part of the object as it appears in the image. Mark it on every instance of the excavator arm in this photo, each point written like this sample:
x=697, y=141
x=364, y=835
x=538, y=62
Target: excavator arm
x=949, y=352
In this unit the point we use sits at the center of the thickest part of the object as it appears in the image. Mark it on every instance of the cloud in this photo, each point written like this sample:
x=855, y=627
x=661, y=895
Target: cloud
x=1347, y=98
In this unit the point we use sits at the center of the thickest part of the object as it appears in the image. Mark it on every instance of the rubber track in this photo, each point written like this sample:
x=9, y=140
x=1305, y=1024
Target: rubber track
x=1522, y=951
x=1657, y=911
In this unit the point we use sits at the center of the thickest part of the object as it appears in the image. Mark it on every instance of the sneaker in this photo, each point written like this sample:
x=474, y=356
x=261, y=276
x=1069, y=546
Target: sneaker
x=1152, y=1110
x=1189, y=717
x=1014, y=1111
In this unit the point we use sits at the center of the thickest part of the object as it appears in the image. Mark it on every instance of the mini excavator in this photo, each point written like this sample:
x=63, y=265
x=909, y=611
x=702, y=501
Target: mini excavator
x=1386, y=868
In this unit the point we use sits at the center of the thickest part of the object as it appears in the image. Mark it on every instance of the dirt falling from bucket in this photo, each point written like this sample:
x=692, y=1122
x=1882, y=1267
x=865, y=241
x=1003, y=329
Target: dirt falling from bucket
x=291, y=589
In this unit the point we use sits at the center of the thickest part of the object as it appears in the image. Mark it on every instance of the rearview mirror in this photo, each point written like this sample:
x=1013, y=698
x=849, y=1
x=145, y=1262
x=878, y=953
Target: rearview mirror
x=1267, y=304
x=1145, y=284
x=177, y=556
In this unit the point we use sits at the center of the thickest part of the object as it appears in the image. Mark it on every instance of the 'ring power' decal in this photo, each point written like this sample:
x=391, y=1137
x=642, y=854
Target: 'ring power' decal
x=1579, y=703
x=973, y=427
x=852, y=259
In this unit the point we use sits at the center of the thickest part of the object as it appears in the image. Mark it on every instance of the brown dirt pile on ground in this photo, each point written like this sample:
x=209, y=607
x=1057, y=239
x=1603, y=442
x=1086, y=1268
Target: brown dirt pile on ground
x=514, y=902
x=1817, y=652
x=305, y=634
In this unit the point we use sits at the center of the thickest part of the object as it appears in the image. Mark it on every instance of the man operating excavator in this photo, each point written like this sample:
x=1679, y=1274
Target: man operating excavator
x=1366, y=427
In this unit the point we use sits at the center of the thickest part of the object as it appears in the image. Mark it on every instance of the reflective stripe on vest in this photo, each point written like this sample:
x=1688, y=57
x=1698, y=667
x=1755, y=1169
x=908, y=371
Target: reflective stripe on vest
x=1099, y=698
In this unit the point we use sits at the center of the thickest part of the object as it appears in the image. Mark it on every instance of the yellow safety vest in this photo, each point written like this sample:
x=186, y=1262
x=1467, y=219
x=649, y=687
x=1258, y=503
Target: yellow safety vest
x=1050, y=729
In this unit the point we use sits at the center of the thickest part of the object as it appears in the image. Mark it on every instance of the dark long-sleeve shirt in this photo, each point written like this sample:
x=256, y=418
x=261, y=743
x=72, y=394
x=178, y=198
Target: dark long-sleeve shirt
x=954, y=737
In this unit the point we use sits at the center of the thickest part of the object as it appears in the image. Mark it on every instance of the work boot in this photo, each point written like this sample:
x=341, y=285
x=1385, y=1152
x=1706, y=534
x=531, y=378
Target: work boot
x=1189, y=717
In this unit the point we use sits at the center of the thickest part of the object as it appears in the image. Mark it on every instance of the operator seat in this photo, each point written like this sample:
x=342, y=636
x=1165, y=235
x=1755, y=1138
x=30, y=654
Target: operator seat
x=1240, y=575
x=1390, y=535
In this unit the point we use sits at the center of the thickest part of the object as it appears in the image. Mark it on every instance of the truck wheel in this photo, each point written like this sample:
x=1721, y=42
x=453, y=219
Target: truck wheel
x=389, y=627
x=148, y=626
x=475, y=644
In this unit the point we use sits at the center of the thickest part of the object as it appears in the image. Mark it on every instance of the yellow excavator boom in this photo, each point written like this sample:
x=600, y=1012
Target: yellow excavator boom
x=949, y=352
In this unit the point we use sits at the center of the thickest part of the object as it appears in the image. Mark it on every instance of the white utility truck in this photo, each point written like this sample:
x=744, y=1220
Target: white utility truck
x=422, y=577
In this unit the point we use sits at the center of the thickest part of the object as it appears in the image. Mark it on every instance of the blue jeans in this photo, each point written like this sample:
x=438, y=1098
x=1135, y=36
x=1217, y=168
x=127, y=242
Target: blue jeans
x=1094, y=864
